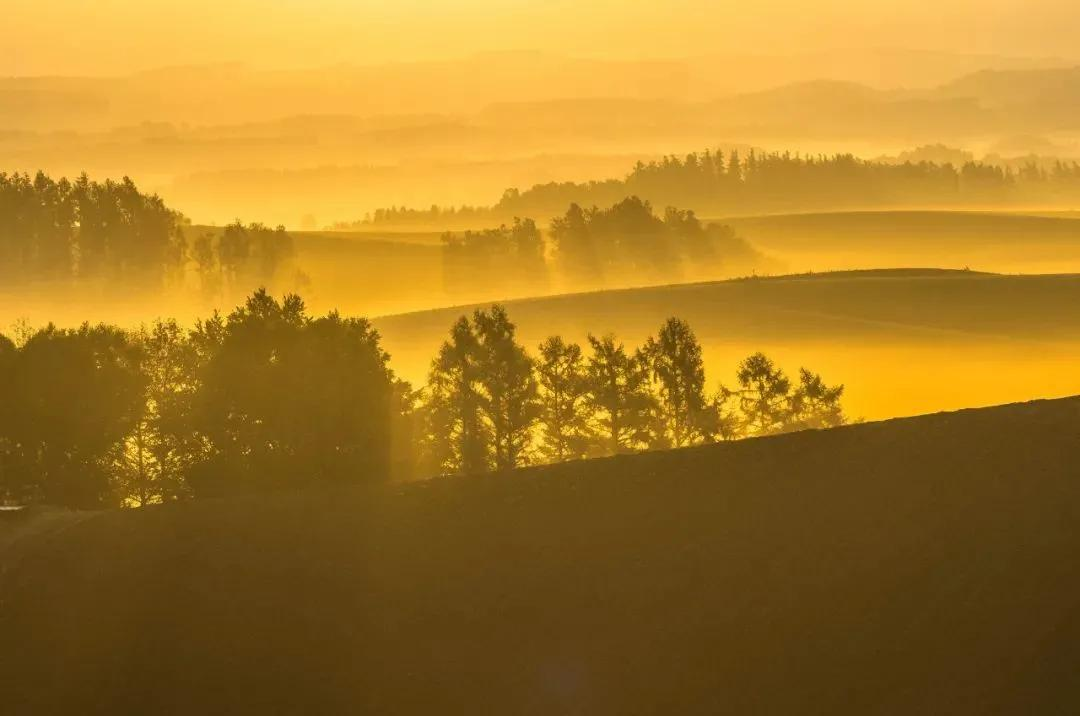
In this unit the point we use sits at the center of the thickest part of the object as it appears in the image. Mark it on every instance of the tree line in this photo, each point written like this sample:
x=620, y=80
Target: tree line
x=272, y=397
x=491, y=405
x=267, y=396
x=62, y=231
x=731, y=183
x=588, y=246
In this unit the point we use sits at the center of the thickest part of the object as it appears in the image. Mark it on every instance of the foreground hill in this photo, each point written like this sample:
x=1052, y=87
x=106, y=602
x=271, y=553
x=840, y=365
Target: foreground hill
x=924, y=565
x=904, y=341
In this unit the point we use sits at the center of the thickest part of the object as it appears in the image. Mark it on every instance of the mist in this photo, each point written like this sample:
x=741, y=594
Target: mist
x=305, y=34
x=539, y=356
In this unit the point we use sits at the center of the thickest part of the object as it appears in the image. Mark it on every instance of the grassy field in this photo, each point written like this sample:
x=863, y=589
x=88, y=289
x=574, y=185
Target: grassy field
x=986, y=241
x=905, y=342
x=915, y=566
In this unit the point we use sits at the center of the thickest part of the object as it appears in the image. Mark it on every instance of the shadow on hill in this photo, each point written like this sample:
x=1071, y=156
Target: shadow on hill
x=924, y=565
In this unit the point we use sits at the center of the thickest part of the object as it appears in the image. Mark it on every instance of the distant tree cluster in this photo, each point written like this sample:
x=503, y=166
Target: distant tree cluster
x=490, y=405
x=715, y=182
x=630, y=239
x=240, y=257
x=62, y=230
x=270, y=397
x=587, y=246
x=404, y=217
x=507, y=257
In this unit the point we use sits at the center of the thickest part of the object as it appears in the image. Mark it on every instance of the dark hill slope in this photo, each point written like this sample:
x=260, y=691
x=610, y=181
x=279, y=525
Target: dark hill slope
x=918, y=566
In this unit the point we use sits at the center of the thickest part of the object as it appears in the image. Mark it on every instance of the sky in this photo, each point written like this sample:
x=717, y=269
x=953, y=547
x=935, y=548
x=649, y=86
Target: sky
x=101, y=37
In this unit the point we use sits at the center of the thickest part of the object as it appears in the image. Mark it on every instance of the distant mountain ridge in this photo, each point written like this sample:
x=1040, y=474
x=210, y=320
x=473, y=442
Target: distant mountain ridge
x=234, y=92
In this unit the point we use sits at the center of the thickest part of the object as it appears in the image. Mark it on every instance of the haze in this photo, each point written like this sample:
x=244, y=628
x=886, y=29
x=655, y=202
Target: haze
x=539, y=357
x=133, y=34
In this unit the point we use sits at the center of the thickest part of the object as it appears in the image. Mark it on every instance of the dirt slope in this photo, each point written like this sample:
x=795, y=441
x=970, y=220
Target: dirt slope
x=917, y=566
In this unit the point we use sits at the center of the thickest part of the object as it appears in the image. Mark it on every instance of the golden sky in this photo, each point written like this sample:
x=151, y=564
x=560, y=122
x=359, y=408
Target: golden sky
x=114, y=36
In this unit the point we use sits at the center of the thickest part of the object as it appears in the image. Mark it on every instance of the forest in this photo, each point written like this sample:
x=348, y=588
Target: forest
x=270, y=397
x=716, y=183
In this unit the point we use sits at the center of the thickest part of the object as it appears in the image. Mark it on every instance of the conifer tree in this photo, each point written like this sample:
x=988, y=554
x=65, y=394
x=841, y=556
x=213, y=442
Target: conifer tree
x=456, y=437
x=508, y=389
x=564, y=419
x=814, y=404
x=763, y=395
x=676, y=365
x=618, y=395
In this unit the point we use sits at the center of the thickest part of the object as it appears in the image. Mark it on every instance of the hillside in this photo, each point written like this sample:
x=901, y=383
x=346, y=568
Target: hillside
x=924, y=565
x=986, y=241
x=904, y=342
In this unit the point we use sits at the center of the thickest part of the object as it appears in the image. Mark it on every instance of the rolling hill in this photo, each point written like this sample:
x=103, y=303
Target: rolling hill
x=924, y=565
x=986, y=241
x=904, y=342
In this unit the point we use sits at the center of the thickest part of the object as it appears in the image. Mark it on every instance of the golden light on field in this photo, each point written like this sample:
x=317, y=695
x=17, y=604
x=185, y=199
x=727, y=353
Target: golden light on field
x=539, y=356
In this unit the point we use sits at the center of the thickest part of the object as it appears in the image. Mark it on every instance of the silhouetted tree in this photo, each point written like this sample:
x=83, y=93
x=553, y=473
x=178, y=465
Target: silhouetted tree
x=508, y=387
x=207, y=266
x=633, y=239
x=564, y=418
x=675, y=362
x=58, y=230
x=456, y=437
x=722, y=416
x=618, y=395
x=815, y=404
x=285, y=399
x=249, y=256
x=574, y=244
x=763, y=395
x=124, y=234
x=529, y=253
x=76, y=393
x=150, y=463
